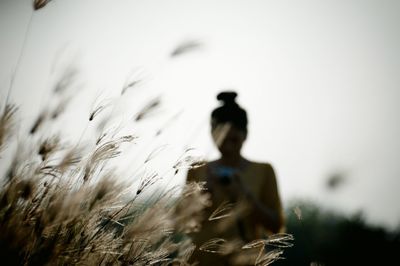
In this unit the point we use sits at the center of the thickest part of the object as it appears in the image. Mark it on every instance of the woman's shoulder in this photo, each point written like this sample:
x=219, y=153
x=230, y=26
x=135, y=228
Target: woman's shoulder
x=264, y=170
x=263, y=166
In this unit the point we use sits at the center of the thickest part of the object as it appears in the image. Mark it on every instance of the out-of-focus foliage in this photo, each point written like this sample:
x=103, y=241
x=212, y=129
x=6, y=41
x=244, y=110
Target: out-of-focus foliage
x=324, y=237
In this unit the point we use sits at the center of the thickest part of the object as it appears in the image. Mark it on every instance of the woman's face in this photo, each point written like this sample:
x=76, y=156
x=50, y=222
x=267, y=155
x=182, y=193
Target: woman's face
x=228, y=139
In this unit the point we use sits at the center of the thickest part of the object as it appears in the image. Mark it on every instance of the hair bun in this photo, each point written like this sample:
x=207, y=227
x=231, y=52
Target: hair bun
x=229, y=112
x=228, y=97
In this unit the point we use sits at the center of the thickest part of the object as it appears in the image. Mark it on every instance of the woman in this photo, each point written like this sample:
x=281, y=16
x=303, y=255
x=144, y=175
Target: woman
x=232, y=180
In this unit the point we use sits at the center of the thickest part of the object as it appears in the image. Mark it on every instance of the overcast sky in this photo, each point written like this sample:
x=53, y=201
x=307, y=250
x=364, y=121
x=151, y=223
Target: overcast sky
x=319, y=79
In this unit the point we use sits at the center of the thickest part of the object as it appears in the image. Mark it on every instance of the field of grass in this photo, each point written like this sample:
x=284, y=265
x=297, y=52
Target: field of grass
x=63, y=203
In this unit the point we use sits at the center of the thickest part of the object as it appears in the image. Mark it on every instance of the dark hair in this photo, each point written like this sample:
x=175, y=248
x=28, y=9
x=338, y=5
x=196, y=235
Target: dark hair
x=230, y=112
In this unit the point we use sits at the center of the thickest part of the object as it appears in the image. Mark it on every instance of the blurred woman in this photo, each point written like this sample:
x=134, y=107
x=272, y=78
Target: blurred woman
x=250, y=188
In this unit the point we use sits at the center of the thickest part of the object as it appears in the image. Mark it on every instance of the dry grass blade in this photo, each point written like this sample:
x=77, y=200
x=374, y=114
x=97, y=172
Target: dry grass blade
x=66, y=81
x=153, y=224
x=39, y=122
x=277, y=240
x=154, y=153
x=130, y=85
x=110, y=133
x=188, y=251
x=48, y=170
x=255, y=244
x=102, y=191
x=25, y=189
x=263, y=258
x=136, y=248
x=49, y=146
x=168, y=123
x=6, y=124
x=269, y=258
x=159, y=261
x=12, y=170
x=189, y=211
x=60, y=108
x=241, y=209
x=194, y=188
x=280, y=240
x=222, y=211
x=136, y=77
x=70, y=158
x=101, y=138
x=297, y=212
x=185, y=47
x=104, y=152
x=190, y=162
x=148, y=109
x=147, y=182
x=197, y=162
x=101, y=106
x=214, y=245
x=38, y=4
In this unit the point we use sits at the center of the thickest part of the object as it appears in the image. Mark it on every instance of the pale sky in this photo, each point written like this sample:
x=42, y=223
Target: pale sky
x=319, y=79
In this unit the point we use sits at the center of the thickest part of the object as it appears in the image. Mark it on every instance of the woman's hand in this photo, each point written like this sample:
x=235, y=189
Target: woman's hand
x=242, y=190
x=265, y=215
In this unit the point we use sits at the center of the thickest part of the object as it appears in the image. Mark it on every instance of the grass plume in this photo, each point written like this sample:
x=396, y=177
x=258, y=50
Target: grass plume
x=7, y=124
x=38, y=4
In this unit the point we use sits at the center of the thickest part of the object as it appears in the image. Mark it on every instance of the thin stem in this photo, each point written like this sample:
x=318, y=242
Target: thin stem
x=28, y=28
